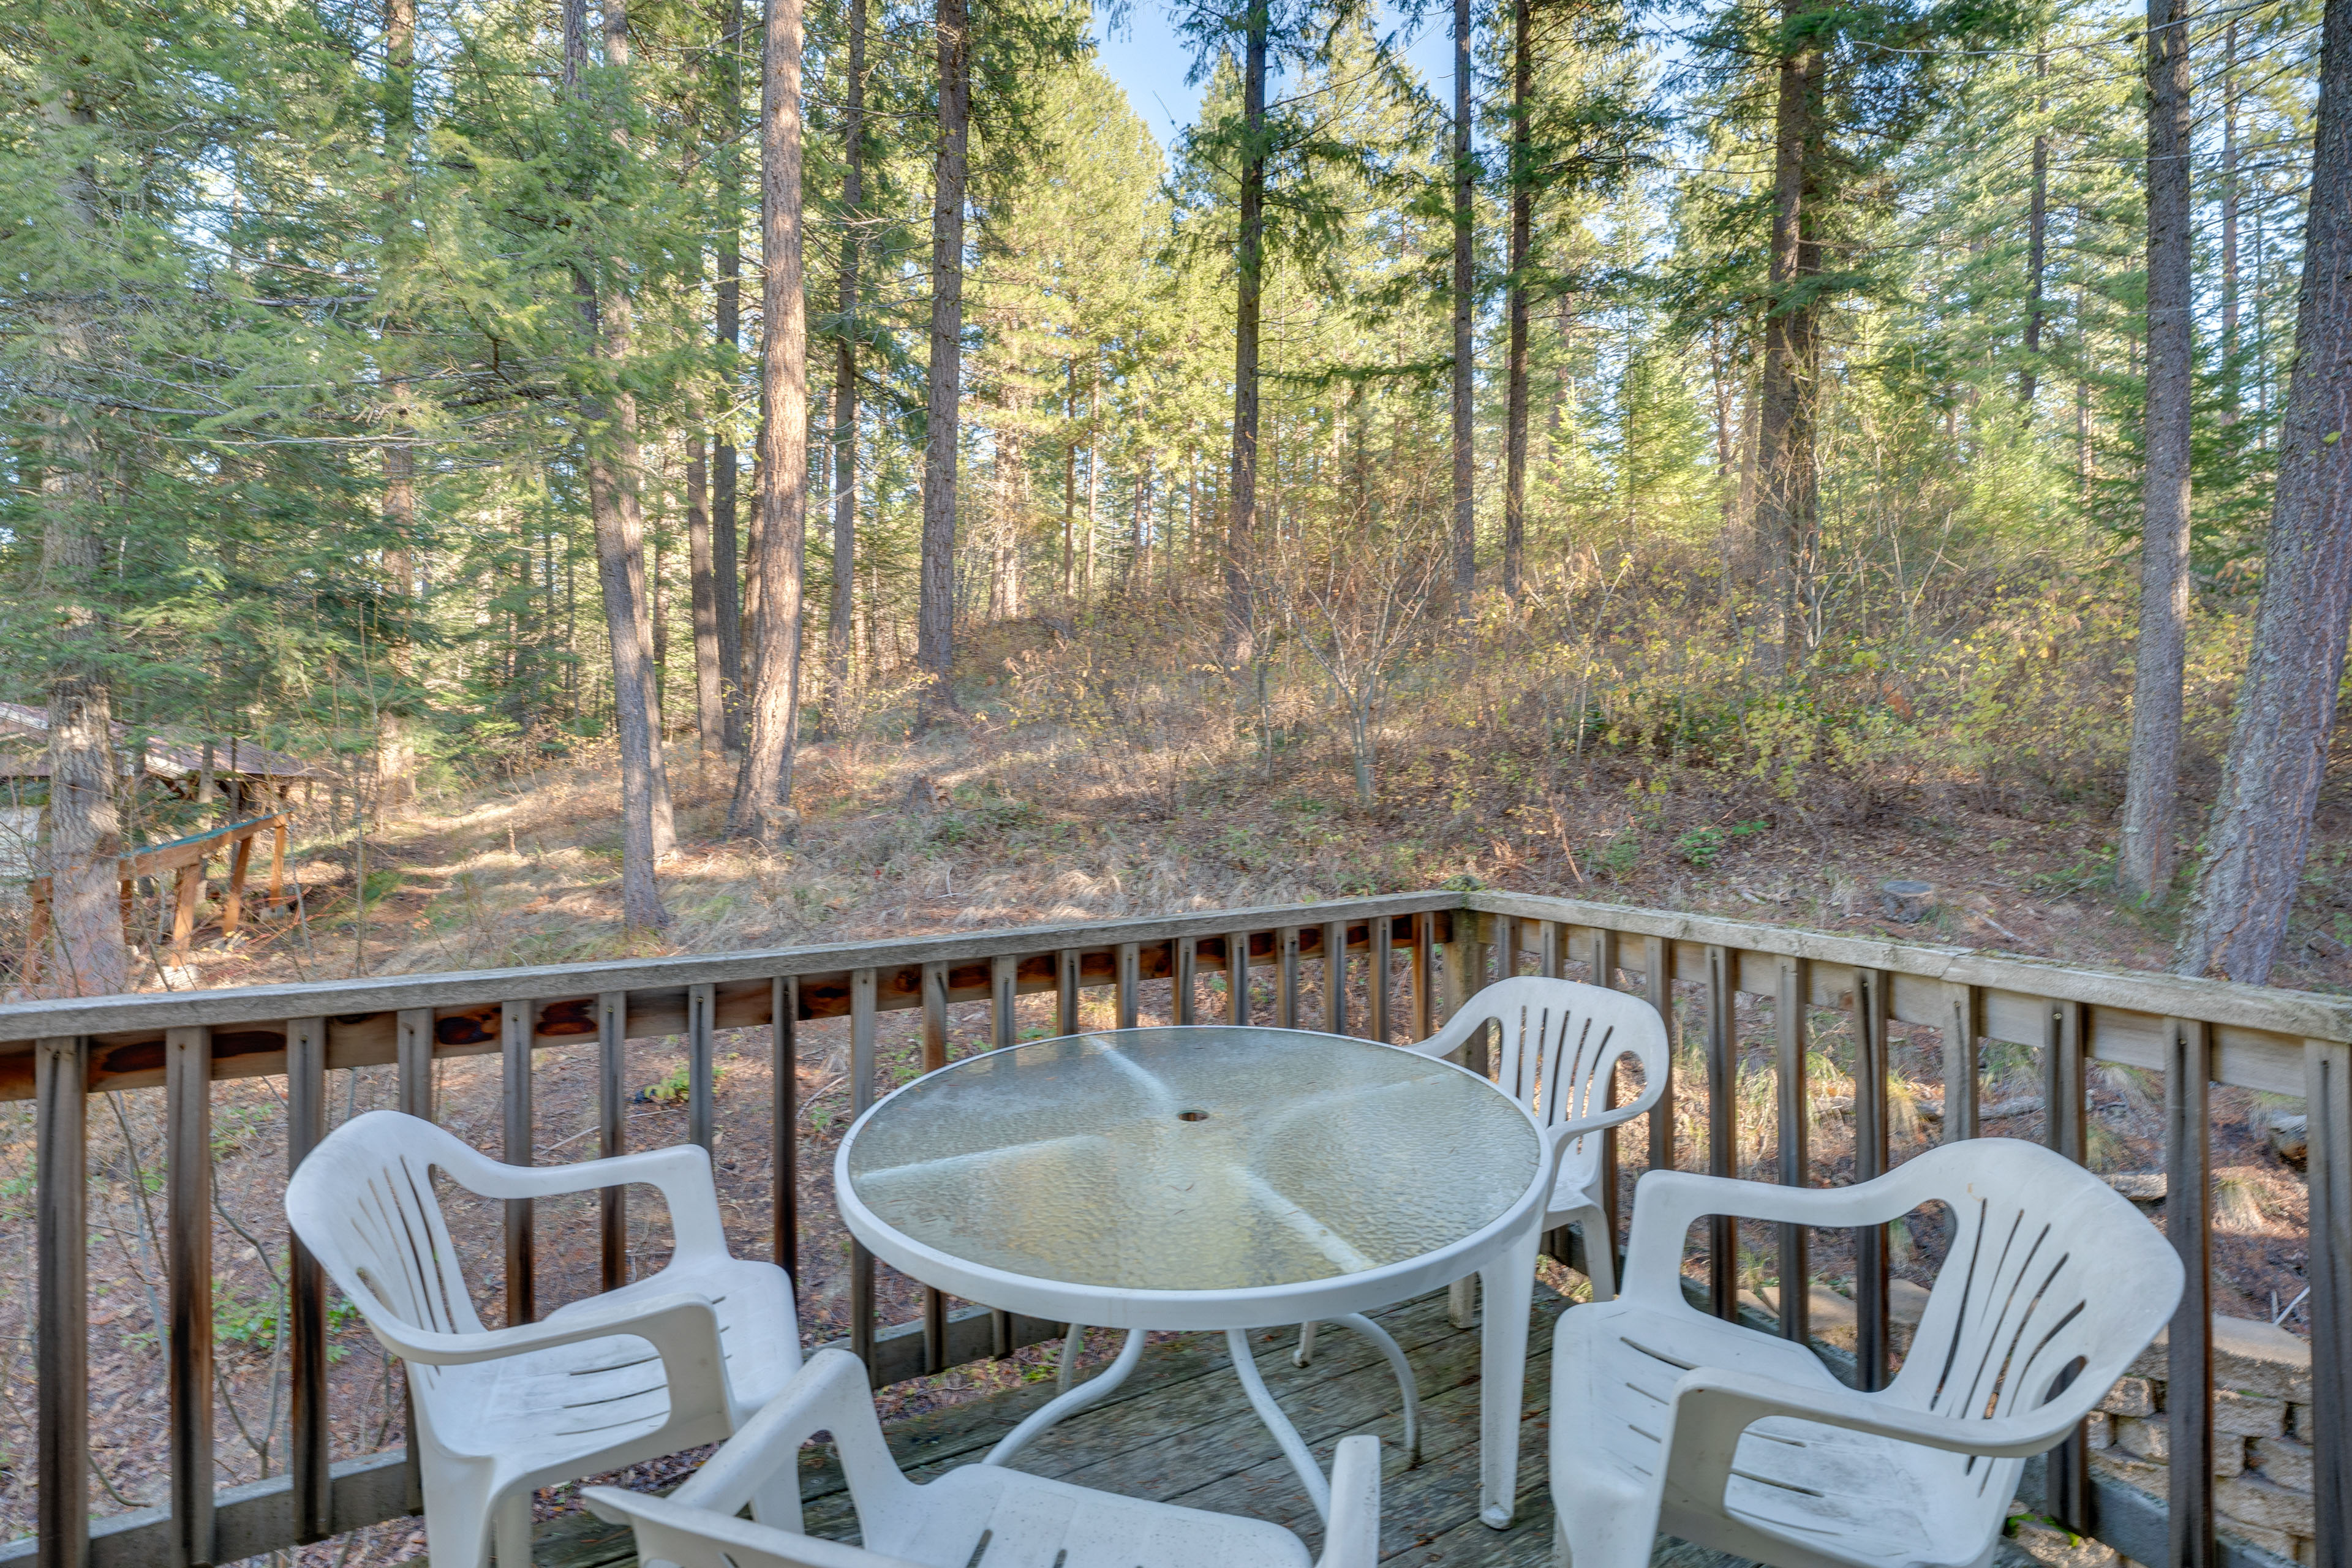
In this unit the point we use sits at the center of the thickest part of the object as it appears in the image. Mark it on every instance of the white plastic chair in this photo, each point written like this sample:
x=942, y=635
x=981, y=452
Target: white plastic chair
x=1561, y=1043
x=975, y=1516
x=1665, y=1419
x=677, y=1359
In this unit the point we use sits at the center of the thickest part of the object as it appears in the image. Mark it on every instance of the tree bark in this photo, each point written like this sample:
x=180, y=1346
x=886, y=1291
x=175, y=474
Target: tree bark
x=85, y=823
x=709, y=696
x=2286, y=711
x=608, y=420
x=2230, y=222
x=2037, y=237
x=1523, y=201
x=763, y=793
x=727, y=327
x=935, y=614
x=395, y=756
x=1787, y=491
x=2144, y=862
x=1465, y=540
x=841, y=630
x=1240, y=642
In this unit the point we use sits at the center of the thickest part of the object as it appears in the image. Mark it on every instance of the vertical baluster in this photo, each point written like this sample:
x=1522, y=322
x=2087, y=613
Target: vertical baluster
x=1963, y=1022
x=1507, y=946
x=935, y=1016
x=188, y=1123
x=309, y=1445
x=2068, y=1494
x=701, y=1029
x=1335, y=977
x=1551, y=954
x=2189, y=1220
x=784, y=1122
x=1380, y=938
x=1130, y=984
x=2327, y=1083
x=1237, y=958
x=514, y=1069
x=1421, y=975
x=1722, y=1127
x=1462, y=954
x=1793, y=985
x=61, y=1279
x=413, y=1041
x=862, y=988
x=1604, y=975
x=1286, y=978
x=1003, y=973
x=1187, y=975
x=414, y=1045
x=613, y=1135
x=1658, y=986
x=935, y=1057
x=1069, y=978
x=1870, y=1155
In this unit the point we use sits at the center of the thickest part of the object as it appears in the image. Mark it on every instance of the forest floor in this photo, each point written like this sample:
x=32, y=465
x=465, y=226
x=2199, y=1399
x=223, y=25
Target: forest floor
x=996, y=823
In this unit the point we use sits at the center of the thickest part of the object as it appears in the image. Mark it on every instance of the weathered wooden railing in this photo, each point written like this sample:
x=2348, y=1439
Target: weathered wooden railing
x=2194, y=1032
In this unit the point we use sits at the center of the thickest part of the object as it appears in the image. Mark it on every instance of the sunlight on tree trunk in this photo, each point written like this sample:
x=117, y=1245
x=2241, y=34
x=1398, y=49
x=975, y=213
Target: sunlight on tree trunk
x=2144, y=860
x=2260, y=840
x=935, y=615
x=763, y=796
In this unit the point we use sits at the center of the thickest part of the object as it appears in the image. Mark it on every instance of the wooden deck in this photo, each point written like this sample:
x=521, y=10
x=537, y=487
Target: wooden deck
x=1181, y=1431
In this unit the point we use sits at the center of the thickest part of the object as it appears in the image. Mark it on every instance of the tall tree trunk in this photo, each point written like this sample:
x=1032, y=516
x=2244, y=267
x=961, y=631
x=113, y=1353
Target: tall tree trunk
x=1465, y=540
x=935, y=615
x=2144, y=861
x=1012, y=474
x=763, y=795
x=608, y=420
x=727, y=328
x=2037, y=236
x=709, y=694
x=1070, y=479
x=1240, y=643
x=841, y=630
x=1094, y=472
x=2286, y=712
x=1787, y=486
x=395, y=755
x=85, y=823
x=2230, y=222
x=1523, y=201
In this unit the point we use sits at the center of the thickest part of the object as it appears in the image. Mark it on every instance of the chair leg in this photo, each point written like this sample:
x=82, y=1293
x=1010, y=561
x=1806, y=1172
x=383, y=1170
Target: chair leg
x=1305, y=1354
x=1600, y=1253
x=511, y=1529
x=1461, y=1302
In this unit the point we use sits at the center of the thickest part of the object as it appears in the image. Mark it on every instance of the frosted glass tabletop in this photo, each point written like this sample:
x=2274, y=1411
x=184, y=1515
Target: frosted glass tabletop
x=1198, y=1158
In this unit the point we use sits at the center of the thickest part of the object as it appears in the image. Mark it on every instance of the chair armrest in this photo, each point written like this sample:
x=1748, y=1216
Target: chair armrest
x=668, y=1531
x=680, y=1173
x=1352, y=1538
x=1667, y=1203
x=682, y=1328
x=830, y=1393
x=1713, y=1406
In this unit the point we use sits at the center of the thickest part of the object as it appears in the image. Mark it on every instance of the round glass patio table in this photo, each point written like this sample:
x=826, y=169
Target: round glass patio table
x=1212, y=1177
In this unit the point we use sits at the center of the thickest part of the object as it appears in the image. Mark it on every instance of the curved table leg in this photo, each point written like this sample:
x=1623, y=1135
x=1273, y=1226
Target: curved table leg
x=1509, y=1284
x=1407, y=1386
x=1062, y=1406
x=1294, y=1448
